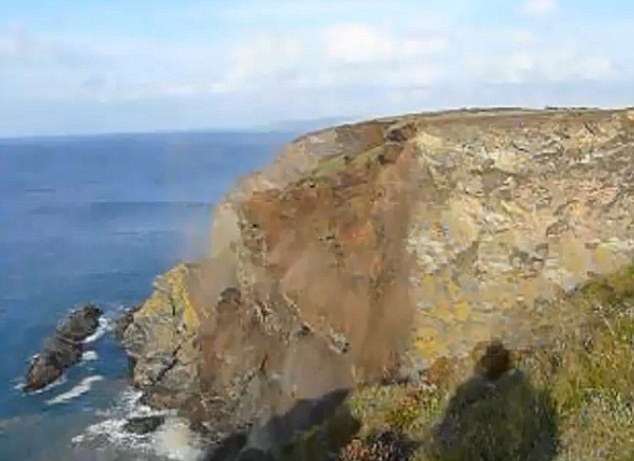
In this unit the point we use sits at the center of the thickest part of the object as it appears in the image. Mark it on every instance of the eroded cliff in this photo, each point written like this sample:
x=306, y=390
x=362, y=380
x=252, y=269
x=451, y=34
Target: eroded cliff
x=368, y=252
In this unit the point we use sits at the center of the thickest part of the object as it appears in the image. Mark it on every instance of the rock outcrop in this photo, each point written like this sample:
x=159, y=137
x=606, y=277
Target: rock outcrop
x=368, y=252
x=142, y=425
x=63, y=349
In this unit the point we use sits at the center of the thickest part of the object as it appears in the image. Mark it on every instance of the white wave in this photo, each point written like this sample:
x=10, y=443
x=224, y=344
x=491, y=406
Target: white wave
x=20, y=384
x=111, y=430
x=104, y=326
x=130, y=405
x=173, y=440
x=176, y=441
x=81, y=388
x=89, y=356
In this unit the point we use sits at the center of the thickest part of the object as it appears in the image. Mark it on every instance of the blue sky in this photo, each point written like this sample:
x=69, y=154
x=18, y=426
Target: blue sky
x=126, y=65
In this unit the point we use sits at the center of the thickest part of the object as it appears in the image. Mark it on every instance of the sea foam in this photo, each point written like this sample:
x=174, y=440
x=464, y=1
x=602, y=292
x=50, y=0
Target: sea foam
x=173, y=440
x=89, y=356
x=104, y=326
x=81, y=388
x=20, y=384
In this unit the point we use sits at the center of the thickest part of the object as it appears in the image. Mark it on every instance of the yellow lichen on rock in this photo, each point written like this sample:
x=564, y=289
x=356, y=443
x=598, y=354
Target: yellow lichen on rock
x=172, y=294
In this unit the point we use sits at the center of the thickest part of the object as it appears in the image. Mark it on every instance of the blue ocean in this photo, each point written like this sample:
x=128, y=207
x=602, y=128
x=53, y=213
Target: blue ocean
x=95, y=219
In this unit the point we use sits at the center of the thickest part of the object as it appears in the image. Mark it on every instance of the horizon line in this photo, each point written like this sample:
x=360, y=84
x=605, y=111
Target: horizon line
x=274, y=127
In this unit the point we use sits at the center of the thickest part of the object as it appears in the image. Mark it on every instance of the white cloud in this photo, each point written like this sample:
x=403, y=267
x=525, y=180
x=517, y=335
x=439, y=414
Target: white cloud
x=386, y=59
x=537, y=66
x=262, y=58
x=538, y=7
x=333, y=57
x=19, y=47
x=356, y=43
x=35, y=66
x=361, y=43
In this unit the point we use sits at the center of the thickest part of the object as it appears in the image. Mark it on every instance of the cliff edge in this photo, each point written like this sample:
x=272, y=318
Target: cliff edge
x=370, y=253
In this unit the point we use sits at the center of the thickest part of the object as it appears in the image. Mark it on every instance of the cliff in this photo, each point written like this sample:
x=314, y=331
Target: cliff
x=372, y=253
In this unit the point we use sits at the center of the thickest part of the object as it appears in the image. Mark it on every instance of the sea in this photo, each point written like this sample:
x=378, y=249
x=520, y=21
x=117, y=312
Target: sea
x=96, y=219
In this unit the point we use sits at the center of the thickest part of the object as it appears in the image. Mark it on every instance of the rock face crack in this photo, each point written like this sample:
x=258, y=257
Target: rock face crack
x=172, y=362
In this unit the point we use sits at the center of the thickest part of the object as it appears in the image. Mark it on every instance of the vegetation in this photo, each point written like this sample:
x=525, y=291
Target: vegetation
x=569, y=400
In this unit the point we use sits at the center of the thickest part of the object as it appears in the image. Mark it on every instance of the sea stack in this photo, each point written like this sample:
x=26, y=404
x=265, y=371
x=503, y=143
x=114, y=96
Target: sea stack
x=63, y=349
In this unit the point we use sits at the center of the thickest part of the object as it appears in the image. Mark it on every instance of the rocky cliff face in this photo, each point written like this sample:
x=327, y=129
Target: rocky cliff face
x=367, y=252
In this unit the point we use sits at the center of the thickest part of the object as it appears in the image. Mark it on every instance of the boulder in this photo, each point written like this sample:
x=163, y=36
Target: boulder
x=63, y=349
x=142, y=425
x=80, y=323
x=123, y=322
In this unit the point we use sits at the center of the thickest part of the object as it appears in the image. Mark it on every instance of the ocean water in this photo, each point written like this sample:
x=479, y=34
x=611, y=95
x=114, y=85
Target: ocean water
x=96, y=219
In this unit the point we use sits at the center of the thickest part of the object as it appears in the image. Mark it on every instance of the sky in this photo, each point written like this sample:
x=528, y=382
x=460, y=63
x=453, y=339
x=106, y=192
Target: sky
x=74, y=67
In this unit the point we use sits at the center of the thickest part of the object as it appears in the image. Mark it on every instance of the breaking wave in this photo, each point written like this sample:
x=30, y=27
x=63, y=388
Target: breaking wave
x=104, y=326
x=89, y=356
x=172, y=441
x=20, y=384
x=81, y=388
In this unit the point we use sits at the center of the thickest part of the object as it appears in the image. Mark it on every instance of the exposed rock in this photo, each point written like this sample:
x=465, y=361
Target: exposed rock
x=160, y=341
x=80, y=324
x=63, y=349
x=372, y=251
x=144, y=424
x=122, y=323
